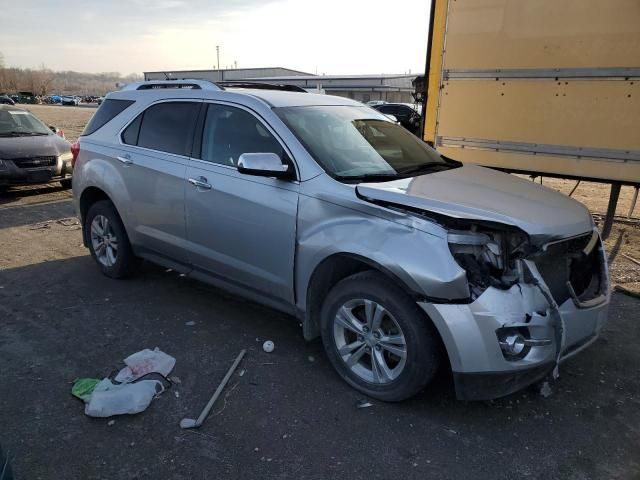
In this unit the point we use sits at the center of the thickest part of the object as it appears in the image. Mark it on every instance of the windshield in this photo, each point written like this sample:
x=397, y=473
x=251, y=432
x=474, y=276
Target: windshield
x=17, y=123
x=359, y=144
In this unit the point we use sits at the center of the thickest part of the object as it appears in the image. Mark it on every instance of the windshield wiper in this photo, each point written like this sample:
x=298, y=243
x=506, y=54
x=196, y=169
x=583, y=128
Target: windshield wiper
x=371, y=177
x=428, y=166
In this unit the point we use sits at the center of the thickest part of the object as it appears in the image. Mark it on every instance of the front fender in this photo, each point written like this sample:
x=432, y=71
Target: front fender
x=421, y=261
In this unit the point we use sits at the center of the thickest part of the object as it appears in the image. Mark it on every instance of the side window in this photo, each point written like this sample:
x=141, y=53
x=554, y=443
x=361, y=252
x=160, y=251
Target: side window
x=229, y=132
x=167, y=127
x=385, y=109
x=130, y=135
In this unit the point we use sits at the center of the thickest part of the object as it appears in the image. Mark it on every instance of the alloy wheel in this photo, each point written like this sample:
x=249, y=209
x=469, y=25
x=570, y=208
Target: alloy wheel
x=104, y=241
x=370, y=341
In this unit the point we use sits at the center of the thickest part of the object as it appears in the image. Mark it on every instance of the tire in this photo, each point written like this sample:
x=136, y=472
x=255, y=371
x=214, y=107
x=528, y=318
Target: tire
x=399, y=315
x=66, y=184
x=122, y=262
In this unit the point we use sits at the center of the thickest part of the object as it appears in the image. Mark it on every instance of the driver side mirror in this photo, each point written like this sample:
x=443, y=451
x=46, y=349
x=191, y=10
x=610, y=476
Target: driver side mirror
x=263, y=165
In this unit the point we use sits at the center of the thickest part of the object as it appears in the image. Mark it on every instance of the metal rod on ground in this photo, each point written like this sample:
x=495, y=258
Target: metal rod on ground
x=637, y=262
x=611, y=209
x=190, y=422
x=575, y=187
x=633, y=202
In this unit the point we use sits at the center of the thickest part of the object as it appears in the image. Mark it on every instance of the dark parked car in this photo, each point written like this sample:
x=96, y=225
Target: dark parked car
x=406, y=115
x=5, y=100
x=30, y=152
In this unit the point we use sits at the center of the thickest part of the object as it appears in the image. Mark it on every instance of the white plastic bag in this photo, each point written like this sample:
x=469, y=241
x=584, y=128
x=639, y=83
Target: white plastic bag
x=108, y=399
x=143, y=362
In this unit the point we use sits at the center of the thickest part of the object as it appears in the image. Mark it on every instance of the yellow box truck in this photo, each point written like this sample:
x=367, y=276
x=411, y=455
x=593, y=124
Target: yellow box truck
x=544, y=87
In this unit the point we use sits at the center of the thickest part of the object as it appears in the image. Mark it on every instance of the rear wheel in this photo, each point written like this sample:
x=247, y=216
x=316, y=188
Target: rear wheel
x=108, y=241
x=66, y=183
x=377, y=338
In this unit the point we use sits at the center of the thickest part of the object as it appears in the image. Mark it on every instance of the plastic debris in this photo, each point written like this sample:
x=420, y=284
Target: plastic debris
x=311, y=358
x=545, y=390
x=125, y=395
x=109, y=399
x=363, y=404
x=242, y=372
x=268, y=346
x=111, y=423
x=190, y=323
x=83, y=388
x=144, y=362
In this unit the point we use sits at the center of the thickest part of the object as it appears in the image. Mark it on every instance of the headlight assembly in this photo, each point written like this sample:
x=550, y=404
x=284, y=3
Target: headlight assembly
x=488, y=256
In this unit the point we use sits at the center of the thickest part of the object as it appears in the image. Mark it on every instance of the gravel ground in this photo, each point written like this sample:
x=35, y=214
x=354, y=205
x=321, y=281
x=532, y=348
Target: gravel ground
x=289, y=416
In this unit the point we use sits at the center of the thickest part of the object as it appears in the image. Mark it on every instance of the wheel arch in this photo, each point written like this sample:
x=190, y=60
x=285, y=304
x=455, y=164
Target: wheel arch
x=329, y=272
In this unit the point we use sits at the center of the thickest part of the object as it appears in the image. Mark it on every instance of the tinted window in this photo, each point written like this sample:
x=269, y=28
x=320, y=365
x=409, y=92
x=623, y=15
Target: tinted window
x=109, y=109
x=168, y=127
x=130, y=135
x=229, y=132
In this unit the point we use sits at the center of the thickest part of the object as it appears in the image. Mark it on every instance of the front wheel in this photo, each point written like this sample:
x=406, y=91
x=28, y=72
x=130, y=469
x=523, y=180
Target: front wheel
x=377, y=338
x=108, y=241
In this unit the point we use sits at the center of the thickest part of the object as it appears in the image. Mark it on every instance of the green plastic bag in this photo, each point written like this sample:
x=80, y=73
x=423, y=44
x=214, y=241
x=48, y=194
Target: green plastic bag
x=83, y=388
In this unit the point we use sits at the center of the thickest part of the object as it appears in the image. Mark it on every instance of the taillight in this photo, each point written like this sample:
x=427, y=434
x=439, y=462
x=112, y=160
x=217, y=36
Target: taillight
x=75, y=150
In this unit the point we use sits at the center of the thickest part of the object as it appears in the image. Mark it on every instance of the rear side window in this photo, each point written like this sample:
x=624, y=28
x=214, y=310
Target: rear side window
x=109, y=109
x=167, y=127
x=130, y=135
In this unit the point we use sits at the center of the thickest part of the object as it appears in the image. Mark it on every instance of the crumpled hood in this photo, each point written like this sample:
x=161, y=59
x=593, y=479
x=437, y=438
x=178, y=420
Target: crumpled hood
x=26, y=147
x=478, y=193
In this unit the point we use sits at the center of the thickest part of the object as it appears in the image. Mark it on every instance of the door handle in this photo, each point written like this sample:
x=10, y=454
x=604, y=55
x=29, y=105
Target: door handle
x=200, y=182
x=126, y=159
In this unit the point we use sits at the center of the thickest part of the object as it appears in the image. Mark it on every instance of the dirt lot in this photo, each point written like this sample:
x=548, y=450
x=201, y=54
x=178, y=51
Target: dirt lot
x=289, y=416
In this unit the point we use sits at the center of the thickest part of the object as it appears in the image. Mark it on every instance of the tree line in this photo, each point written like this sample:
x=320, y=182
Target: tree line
x=44, y=81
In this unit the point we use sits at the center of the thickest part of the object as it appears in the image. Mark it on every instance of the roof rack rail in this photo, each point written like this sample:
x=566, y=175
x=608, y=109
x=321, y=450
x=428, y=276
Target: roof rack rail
x=260, y=86
x=192, y=84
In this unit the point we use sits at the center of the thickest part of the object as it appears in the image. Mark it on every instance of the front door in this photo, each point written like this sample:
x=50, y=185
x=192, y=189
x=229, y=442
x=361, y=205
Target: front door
x=240, y=228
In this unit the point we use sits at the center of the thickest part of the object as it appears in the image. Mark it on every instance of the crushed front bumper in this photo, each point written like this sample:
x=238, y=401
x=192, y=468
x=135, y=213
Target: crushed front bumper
x=480, y=368
x=25, y=171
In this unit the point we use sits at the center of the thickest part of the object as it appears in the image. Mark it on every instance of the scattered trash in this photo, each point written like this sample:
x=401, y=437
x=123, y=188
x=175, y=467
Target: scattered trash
x=143, y=362
x=452, y=431
x=125, y=395
x=110, y=399
x=268, y=346
x=110, y=423
x=545, y=390
x=363, y=404
x=242, y=372
x=311, y=358
x=83, y=388
x=193, y=423
x=177, y=394
x=190, y=323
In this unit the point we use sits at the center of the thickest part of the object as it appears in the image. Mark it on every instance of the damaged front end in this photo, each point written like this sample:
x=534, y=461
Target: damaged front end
x=531, y=305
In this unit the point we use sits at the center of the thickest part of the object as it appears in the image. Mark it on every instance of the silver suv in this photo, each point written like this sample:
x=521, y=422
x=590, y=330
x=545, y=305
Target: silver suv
x=402, y=260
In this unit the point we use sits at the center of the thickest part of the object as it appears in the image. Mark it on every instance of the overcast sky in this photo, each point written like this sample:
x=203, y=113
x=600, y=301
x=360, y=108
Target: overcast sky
x=127, y=36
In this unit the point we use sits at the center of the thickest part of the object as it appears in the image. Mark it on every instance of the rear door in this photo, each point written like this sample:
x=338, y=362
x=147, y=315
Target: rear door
x=154, y=157
x=241, y=228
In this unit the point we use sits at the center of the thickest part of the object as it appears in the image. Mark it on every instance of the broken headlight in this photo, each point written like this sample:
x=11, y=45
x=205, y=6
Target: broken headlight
x=488, y=257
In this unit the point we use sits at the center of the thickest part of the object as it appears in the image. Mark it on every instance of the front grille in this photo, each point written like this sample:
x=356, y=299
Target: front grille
x=35, y=162
x=564, y=262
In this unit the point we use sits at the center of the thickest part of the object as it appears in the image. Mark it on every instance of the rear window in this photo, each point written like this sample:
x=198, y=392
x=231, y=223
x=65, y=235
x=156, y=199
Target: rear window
x=109, y=109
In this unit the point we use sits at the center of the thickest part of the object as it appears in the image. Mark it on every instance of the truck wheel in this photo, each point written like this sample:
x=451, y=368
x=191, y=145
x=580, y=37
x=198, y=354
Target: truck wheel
x=108, y=241
x=377, y=338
